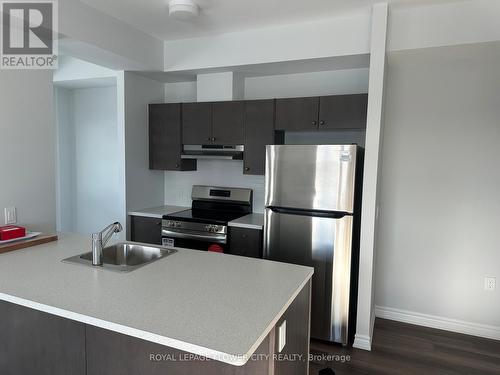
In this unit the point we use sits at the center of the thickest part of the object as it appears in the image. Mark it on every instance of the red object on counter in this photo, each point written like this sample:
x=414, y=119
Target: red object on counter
x=10, y=232
x=215, y=248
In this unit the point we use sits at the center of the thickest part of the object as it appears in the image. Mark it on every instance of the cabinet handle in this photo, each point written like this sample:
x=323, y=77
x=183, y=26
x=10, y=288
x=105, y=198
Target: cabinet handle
x=213, y=139
x=208, y=138
x=177, y=166
x=322, y=122
x=314, y=123
x=247, y=169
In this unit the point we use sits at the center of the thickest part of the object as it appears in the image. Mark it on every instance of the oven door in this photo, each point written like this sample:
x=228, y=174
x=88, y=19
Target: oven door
x=193, y=240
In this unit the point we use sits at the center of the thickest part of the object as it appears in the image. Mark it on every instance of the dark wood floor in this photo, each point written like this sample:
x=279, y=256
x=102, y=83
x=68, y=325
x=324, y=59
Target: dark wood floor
x=404, y=349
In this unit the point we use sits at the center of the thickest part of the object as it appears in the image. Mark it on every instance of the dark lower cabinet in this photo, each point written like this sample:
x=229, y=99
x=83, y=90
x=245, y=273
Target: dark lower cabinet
x=259, y=132
x=297, y=114
x=245, y=242
x=145, y=229
x=343, y=111
x=37, y=343
x=110, y=353
x=165, y=144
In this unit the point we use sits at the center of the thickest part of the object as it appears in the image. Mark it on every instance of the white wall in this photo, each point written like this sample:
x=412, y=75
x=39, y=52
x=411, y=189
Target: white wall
x=212, y=172
x=178, y=92
x=71, y=69
x=219, y=86
x=144, y=187
x=105, y=40
x=434, y=24
x=89, y=189
x=349, y=81
x=65, y=160
x=27, y=143
x=440, y=208
x=339, y=36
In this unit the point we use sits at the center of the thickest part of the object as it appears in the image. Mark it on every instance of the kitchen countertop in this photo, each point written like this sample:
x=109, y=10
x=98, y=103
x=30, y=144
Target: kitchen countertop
x=158, y=212
x=251, y=221
x=214, y=305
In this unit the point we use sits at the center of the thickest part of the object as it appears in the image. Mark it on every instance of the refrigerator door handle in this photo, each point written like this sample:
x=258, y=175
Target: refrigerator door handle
x=316, y=213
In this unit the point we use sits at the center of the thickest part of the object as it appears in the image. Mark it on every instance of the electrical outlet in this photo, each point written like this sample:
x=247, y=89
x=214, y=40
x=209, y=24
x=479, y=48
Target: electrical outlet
x=490, y=283
x=281, y=336
x=10, y=215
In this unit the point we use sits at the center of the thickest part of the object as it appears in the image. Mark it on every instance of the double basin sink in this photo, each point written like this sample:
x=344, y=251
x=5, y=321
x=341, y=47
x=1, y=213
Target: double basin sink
x=124, y=256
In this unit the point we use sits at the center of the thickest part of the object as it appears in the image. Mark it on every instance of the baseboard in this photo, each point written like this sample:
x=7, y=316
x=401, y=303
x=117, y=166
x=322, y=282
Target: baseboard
x=362, y=342
x=438, y=322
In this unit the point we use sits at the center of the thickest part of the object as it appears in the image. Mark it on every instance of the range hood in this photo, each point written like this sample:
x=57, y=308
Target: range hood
x=224, y=152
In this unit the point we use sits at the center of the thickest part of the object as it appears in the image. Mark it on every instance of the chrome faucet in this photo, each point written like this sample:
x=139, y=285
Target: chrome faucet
x=100, y=239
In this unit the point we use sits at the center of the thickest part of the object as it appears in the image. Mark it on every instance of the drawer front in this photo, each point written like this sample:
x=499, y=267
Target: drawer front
x=245, y=242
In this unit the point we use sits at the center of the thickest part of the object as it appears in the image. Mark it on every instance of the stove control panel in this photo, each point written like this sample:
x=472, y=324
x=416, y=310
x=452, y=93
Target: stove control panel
x=212, y=228
x=172, y=224
x=190, y=227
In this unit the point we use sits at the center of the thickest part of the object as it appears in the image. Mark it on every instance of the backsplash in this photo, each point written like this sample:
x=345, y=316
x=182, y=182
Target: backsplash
x=227, y=173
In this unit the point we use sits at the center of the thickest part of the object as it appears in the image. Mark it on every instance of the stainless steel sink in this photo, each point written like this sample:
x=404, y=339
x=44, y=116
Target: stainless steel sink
x=124, y=256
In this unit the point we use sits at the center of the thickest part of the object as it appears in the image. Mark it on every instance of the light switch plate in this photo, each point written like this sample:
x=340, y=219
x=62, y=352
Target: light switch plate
x=10, y=215
x=281, y=336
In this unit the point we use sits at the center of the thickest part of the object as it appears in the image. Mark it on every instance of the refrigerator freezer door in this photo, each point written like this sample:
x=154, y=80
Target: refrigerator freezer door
x=325, y=244
x=311, y=177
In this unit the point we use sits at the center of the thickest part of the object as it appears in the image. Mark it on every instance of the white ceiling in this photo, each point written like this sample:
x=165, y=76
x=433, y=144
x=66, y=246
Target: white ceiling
x=221, y=16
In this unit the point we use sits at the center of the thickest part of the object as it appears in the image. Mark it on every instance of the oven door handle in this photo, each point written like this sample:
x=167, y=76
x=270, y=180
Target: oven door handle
x=218, y=238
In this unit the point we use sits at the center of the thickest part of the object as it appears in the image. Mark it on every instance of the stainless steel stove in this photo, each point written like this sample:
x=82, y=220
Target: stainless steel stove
x=204, y=226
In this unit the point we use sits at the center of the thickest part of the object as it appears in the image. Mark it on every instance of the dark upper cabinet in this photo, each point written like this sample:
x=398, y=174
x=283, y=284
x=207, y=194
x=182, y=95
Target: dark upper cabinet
x=196, y=123
x=165, y=130
x=245, y=242
x=297, y=114
x=146, y=229
x=228, y=120
x=259, y=132
x=343, y=111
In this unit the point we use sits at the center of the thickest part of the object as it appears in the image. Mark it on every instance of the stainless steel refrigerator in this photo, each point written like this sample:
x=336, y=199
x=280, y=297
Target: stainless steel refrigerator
x=312, y=212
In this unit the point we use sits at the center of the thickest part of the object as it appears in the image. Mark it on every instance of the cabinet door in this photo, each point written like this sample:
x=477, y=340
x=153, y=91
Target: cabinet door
x=228, y=120
x=37, y=343
x=245, y=242
x=146, y=229
x=165, y=138
x=196, y=123
x=259, y=132
x=343, y=111
x=297, y=114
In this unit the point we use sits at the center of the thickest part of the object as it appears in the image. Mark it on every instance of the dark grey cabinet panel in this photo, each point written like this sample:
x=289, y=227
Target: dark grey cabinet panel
x=196, y=123
x=297, y=337
x=165, y=145
x=146, y=229
x=36, y=343
x=245, y=242
x=110, y=353
x=228, y=119
x=343, y=111
x=259, y=132
x=297, y=114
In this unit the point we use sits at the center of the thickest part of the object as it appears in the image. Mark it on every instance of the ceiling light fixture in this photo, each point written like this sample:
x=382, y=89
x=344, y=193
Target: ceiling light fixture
x=183, y=9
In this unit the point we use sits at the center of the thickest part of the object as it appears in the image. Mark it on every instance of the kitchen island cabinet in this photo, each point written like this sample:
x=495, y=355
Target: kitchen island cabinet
x=204, y=312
